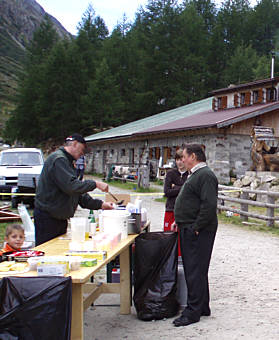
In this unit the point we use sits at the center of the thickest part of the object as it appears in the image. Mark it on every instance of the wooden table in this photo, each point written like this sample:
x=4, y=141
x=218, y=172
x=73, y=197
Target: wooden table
x=84, y=293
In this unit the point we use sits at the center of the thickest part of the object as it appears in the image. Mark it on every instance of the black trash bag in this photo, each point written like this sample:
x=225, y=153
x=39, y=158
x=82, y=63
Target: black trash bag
x=156, y=275
x=35, y=308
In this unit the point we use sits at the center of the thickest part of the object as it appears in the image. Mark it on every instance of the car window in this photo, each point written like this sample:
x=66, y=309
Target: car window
x=20, y=158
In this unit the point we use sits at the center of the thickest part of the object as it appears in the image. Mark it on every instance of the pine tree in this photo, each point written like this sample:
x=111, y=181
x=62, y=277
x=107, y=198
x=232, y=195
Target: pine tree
x=65, y=83
x=24, y=123
x=102, y=104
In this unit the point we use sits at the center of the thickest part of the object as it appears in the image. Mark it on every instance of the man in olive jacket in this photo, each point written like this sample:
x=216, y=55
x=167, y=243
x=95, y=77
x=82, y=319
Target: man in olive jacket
x=196, y=217
x=59, y=191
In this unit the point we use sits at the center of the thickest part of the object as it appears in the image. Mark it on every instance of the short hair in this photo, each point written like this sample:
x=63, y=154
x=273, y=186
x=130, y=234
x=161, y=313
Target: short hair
x=178, y=154
x=197, y=149
x=10, y=228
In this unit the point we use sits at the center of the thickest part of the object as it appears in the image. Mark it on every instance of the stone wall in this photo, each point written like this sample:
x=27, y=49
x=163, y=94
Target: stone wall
x=257, y=180
x=225, y=154
x=240, y=154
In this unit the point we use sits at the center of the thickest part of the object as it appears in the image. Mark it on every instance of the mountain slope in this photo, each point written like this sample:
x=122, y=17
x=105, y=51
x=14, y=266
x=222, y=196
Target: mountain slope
x=18, y=21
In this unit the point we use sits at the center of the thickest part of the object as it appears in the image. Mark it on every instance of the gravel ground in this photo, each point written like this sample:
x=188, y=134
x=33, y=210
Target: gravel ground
x=244, y=285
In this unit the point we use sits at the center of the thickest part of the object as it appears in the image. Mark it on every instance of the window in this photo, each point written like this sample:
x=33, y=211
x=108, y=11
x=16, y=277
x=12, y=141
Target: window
x=169, y=153
x=219, y=102
x=21, y=158
x=141, y=151
x=214, y=102
x=222, y=102
x=255, y=97
x=242, y=98
x=270, y=94
x=123, y=152
x=150, y=153
x=245, y=98
x=157, y=153
x=131, y=156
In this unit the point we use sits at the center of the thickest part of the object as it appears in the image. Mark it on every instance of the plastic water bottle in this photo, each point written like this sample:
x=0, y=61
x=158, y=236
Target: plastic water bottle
x=138, y=204
x=29, y=228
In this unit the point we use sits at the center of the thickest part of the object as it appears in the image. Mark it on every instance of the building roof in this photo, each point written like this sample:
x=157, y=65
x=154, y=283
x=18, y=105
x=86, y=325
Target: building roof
x=235, y=88
x=210, y=118
x=153, y=121
x=193, y=116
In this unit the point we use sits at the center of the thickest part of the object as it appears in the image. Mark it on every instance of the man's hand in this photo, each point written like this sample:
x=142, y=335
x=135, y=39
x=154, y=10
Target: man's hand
x=173, y=227
x=102, y=186
x=107, y=206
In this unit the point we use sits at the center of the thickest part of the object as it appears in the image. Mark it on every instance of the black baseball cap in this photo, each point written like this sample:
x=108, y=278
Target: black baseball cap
x=77, y=137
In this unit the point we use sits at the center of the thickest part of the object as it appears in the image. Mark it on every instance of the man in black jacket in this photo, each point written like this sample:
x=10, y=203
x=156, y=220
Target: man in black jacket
x=59, y=191
x=196, y=217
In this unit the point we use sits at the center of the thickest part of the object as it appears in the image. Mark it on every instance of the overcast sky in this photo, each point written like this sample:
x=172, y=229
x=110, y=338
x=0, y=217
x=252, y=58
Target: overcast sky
x=70, y=12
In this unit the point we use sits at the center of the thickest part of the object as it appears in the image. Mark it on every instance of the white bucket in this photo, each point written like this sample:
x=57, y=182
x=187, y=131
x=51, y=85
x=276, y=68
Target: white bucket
x=116, y=221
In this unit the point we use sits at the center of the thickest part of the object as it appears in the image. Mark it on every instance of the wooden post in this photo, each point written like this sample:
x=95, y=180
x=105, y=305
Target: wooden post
x=244, y=206
x=270, y=211
x=125, y=284
x=77, y=312
x=221, y=202
x=139, y=178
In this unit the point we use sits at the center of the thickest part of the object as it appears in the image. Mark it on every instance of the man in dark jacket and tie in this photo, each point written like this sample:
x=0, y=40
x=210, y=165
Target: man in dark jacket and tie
x=196, y=217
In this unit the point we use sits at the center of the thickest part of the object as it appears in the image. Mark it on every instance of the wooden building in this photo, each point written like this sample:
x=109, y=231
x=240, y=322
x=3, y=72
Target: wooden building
x=223, y=123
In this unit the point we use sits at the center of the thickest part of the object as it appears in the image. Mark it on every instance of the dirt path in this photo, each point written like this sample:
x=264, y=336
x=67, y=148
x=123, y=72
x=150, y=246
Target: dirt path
x=244, y=283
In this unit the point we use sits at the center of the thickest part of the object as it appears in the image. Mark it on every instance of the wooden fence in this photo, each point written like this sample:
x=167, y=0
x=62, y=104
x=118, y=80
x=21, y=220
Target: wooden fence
x=245, y=202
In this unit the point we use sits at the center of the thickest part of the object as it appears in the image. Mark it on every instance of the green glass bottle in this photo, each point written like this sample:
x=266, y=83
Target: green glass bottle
x=91, y=217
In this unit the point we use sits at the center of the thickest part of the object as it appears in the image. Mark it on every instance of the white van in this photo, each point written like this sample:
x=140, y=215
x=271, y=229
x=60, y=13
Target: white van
x=20, y=169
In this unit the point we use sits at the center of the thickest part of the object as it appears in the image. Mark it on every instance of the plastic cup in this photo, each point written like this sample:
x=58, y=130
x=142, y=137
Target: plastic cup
x=78, y=226
x=93, y=228
x=87, y=230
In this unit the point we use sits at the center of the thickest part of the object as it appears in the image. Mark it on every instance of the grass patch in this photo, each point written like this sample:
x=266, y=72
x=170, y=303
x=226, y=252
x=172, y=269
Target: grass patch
x=158, y=182
x=161, y=199
x=132, y=186
x=258, y=226
x=95, y=175
x=2, y=233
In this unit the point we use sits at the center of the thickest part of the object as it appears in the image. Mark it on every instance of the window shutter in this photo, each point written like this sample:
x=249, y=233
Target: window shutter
x=157, y=153
x=260, y=99
x=247, y=98
x=169, y=153
x=150, y=153
x=224, y=102
x=235, y=100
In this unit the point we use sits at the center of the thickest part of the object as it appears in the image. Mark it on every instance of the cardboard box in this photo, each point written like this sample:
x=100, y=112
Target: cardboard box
x=52, y=270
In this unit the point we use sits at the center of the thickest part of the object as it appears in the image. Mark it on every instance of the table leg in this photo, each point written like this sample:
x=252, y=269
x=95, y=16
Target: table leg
x=77, y=312
x=125, y=283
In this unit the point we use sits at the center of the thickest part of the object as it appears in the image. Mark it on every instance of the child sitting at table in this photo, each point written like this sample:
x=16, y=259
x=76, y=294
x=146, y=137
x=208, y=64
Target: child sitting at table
x=14, y=238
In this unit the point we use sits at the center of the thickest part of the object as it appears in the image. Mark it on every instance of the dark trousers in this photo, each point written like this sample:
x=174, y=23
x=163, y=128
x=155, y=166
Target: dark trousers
x=47, y=227
x=196, y=253
x=80, y=173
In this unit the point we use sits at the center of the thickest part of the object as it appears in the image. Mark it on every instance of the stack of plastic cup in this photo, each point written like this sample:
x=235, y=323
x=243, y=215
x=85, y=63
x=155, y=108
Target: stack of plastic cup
x=78, y=226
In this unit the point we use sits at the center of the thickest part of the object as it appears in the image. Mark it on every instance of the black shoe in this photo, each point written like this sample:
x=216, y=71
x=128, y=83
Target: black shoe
x=183, y=321
x=206, y=313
